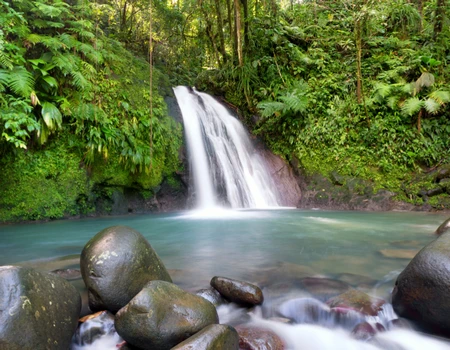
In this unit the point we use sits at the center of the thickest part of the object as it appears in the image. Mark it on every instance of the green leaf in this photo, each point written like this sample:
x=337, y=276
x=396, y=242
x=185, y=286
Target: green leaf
x=431, y=105
x=21, y=81
x=440, y=96
x=51, y=81
x=51, y=115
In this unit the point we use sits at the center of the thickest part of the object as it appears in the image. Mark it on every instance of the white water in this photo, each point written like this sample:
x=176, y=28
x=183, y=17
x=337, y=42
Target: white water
x=224, y=163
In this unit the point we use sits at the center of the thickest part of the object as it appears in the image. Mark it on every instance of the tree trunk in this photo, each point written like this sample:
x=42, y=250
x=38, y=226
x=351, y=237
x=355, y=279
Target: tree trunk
x=238, y=38
x=420, y=10
x=123, y=20
x=220, y=31
x=245, y=8
x=439, y=16
x=419, y=121
x=358, y=43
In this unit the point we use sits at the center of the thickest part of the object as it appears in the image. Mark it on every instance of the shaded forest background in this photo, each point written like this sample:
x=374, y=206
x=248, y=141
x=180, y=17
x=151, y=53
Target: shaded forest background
x=358, y=88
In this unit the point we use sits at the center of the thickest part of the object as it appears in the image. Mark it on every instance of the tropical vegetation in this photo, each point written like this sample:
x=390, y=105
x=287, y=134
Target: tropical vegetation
x=360, y=87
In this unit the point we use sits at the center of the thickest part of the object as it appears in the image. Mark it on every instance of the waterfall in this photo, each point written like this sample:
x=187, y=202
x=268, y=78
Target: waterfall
x=226, y=168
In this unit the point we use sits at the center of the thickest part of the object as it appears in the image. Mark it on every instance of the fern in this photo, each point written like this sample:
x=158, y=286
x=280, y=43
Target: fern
x=295, y=103
x=21, y=81
x=431, y=105
x=441, y=96
x=80, y=81
x=269, y=108
x=412, y=106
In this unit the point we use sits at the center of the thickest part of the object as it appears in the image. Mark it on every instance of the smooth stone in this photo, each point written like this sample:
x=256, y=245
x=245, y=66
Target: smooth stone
x=443, y=228
x=421, y=292
x=399, y=253
x=163, y=315
x=37, y=310
x=116, y=264
x=212, y=337
x=93, y=327
x=212, y=295
x=359, y=301
x=254, y=338
x=237, y=291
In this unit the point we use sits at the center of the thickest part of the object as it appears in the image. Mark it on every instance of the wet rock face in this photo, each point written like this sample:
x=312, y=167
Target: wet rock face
x=236, y=291
x=37, y=310
x=94, y=327
x=115, y=264
x=162, y=315
x=212, y=295
x=213, y=337
x=253, y=338
x=422, y=290
x=358, y=301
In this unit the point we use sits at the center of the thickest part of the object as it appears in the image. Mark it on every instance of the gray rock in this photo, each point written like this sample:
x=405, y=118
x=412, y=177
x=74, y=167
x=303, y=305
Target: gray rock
x=236, y=291
x=213, y=337
x=358, y=301
x=115, y=264
x=162, y=315
x=421, y=292
x=37, y=310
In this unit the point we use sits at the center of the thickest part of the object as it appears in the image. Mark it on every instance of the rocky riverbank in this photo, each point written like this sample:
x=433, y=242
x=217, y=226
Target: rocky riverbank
x=132, y=301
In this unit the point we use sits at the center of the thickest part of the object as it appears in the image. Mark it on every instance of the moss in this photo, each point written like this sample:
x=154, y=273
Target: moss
x=44, y=184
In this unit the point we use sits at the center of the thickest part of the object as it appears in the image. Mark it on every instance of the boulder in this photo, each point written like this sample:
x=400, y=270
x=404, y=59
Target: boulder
x=254, y=338
x=116, y=264
x=422, y=290
x=37, y=310
x=443, y=228
x=236, y=291
x=162, y=315
x=358, y=301
x=212, y=337
x=212, y=295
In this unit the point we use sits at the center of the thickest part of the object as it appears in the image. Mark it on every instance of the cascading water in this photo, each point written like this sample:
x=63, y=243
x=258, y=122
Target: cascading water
x=225, y=166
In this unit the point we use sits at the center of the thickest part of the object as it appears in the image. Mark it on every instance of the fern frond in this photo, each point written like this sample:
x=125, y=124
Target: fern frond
x=21, y=81
x=80, y=81
x=383, y=90
x=412, y=106
x=64, y=62
x=440, y=96
x=69, y=40
x=269, y=108
x=431, y=105
x=294, y=102
x=392, y=102
x=5, y=61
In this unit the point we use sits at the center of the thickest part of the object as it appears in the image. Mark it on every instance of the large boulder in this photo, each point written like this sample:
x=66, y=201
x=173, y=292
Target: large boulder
x=212, y=337
x=422, y=290
x=238, y=291
x=37, y=310
x=443, y=228
x=116, y=264
x=162, y=315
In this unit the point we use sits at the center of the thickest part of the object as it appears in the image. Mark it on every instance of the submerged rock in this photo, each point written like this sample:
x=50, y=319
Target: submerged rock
x=162, y=315
x=399, y=253
x=365, y=330
x=305, y=310
x=254, y=338
x=422, y=290
x=323, y=288
x=213, y=337
x=115, y=264
x=238, y=291
x=37, y=310
x=358, y=301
